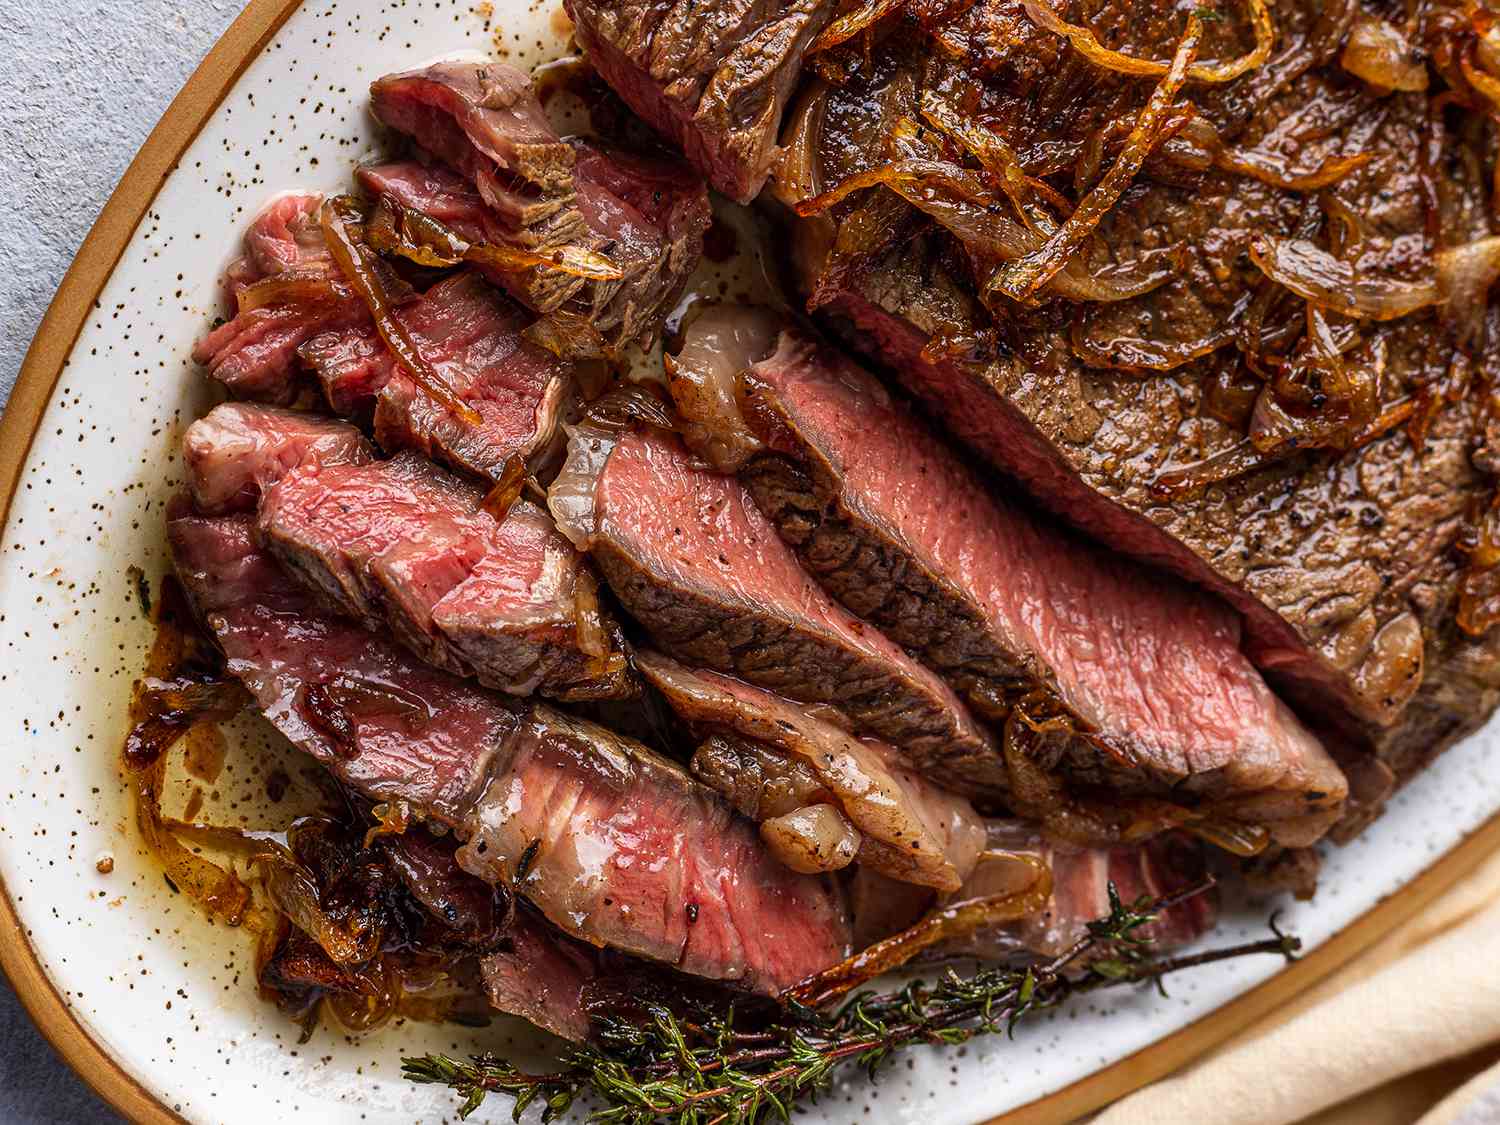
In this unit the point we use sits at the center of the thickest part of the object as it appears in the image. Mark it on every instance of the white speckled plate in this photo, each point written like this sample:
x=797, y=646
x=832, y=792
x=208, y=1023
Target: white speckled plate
x=155, y=1006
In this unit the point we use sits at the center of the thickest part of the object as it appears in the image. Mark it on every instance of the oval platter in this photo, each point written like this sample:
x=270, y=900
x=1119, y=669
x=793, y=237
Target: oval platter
x=155, y=1007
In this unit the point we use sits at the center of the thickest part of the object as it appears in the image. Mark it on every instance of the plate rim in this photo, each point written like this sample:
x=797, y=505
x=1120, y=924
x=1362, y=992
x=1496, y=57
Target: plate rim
x=53, y=343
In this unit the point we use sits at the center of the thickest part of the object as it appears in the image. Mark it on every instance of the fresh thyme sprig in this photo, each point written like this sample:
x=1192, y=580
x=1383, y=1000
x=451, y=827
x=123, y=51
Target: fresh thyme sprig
x=708, y=1070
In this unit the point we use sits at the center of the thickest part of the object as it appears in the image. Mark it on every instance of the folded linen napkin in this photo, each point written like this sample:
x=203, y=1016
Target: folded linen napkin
x=1426, y=993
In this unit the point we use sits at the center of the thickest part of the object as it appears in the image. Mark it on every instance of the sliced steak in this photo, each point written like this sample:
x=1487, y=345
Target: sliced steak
x=538, y=193
x=1326, y=556
x=382, y=722
x=330, y=525
x=1010, y=610
x=471, y=335
x=613, y=844
x=236, y=451
x=654, y=861
x=690, y=556
x=351, y=366
x=713, y=78
x=542, y=976
x=403, y=544
x=1081, y=881
x=908, y=828
x=527, y=616
x=254, y=354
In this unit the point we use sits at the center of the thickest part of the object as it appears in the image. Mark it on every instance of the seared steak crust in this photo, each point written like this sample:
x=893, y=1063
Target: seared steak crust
x=712, y=77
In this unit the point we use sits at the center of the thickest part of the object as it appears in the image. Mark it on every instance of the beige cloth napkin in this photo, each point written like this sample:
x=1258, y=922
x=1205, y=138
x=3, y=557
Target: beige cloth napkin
x=1426, y=994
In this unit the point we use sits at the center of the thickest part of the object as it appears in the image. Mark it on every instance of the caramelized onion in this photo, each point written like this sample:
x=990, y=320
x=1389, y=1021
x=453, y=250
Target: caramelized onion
x=502, y=498
x=1271, y=168
x=954, y=921
x=392, y=818
x=221, y=893
x=1378, y=53
x=592, y=636
x=567, y=334
x=851, y=23
x=962, y=204
x=1312, y=272
x=1236, y=461
x=1243, y=840
x=1087, y=44
x=288, y=289
x=1144, y=351
x=1465, y=275
x=397, y=229
x=995, y=156
x=360, y=268
x=813, y=839
x=1486, y=85
x=622, y=407
x=1461, y=279
x=1479, y=591
x=1022, y=278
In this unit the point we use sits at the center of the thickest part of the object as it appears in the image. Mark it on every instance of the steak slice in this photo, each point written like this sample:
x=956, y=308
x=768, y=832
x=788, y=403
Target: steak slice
x=713, y=78
x=1010, y=610
x=690, y=556
x=542, y=976
x=383, y=723
x=655, y=862
x=521, y=616
x=329, y=525
x=613, y=844
x=909, y=829
x=538, y=193
x=1081, y=884
x=254, y=354
x=403, y=544
x=471, y=335
x=235, y=452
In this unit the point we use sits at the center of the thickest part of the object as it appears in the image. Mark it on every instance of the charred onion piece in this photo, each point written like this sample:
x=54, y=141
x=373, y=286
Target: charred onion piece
x=1087, y=44
x=956, y=920
x=1021, y=279
x=352, y=940
x=360, y=268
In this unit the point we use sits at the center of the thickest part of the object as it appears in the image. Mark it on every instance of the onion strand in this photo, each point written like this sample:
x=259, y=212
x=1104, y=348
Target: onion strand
x=1087, y=44
x=1022, y=278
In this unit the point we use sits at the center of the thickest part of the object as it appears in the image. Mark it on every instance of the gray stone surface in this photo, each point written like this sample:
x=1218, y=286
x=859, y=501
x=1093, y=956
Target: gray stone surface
x=81, y=84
